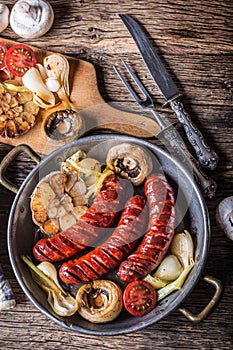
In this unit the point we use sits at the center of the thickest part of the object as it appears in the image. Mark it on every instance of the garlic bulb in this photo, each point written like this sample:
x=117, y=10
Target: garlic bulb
x=4, y=17
x=31, y=19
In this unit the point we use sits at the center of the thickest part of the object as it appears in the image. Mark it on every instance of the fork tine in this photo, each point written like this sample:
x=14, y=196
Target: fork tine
x=128, y=87
x=148, y=103
x=138, y=83
x=143, y=103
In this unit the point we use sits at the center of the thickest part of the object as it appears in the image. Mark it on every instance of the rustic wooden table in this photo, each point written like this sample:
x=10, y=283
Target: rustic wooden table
x=194, y=38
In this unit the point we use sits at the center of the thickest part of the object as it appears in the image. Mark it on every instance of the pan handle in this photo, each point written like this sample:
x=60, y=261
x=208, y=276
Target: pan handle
x=7, y=160
x=203, y=314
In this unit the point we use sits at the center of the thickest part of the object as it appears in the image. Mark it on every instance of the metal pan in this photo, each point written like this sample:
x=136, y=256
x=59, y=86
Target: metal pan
x=192, y=215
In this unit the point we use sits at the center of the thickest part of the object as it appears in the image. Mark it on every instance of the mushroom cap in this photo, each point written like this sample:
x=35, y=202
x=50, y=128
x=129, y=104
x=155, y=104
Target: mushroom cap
x=31, y=19
x=224, y=216
x=4, y=17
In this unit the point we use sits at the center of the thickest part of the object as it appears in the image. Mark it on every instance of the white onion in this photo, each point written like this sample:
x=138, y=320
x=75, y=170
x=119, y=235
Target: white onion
x=182, y=247
x=34, y=82
x=169, y=269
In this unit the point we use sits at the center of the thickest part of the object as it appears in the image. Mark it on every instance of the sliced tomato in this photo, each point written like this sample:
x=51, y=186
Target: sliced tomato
x=139, y=297
x=19, y=58
x=3, y=51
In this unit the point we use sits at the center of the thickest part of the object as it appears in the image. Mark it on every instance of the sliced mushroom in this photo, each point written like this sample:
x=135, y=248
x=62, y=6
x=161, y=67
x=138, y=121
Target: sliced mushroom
x=99, y=301
x=31, y=19
x=130, y=161
x=4, y=17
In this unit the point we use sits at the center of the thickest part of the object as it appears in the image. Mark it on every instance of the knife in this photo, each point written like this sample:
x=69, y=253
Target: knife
x=206, y=156
x=169, y=133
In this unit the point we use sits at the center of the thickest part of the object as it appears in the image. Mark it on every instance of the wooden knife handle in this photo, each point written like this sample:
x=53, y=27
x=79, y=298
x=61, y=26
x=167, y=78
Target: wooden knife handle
x=206, y=156
x=179, y=149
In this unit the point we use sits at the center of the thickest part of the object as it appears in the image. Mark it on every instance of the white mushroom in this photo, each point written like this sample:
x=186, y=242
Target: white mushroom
x=4, y=17
x=99, y=301
x=31, y=19
x=224, y=216
x=130, y=161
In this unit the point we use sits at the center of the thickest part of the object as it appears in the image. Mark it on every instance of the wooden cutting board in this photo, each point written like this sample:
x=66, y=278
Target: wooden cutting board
x=86, y=99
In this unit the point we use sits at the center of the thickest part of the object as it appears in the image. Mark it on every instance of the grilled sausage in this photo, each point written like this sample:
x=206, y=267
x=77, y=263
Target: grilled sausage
x=115, y=249
x=99, y=216
x=159, y=233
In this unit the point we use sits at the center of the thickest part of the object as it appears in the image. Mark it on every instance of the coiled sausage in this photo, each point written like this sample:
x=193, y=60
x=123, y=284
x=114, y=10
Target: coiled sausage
x=116, y=248
x=160, y=230
x=99, y=216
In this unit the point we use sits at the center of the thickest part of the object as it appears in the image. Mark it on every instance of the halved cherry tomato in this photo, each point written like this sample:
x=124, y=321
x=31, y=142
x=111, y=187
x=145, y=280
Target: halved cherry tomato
x=139, y=297
x=19, y=58
x=3, y=50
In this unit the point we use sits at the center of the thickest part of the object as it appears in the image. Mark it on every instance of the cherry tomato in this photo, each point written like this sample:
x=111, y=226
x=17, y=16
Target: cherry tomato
x=139, y=297
x=3, y=50
x=19, y=58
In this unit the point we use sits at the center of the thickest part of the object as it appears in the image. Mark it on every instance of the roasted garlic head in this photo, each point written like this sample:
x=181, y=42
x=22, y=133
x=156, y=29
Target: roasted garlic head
x=130, y=161
x=57, y=202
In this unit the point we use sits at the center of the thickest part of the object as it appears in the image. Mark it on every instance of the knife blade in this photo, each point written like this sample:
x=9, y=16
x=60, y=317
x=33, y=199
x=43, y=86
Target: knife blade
x=206, y=156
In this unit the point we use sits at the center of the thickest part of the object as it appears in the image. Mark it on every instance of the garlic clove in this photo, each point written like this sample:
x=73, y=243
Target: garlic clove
x=31, y=19
x=4, y=17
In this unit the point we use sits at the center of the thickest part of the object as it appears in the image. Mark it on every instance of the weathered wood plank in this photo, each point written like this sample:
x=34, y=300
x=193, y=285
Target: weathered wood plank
x=194, y=38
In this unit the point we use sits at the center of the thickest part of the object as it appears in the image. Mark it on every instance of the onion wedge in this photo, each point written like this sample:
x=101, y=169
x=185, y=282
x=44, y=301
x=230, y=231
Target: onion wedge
x=42, y=96
x=45, y=275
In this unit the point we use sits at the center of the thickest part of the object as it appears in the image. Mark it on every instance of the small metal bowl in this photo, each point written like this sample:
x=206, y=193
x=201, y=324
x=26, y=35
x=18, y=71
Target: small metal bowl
x=64, y=125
